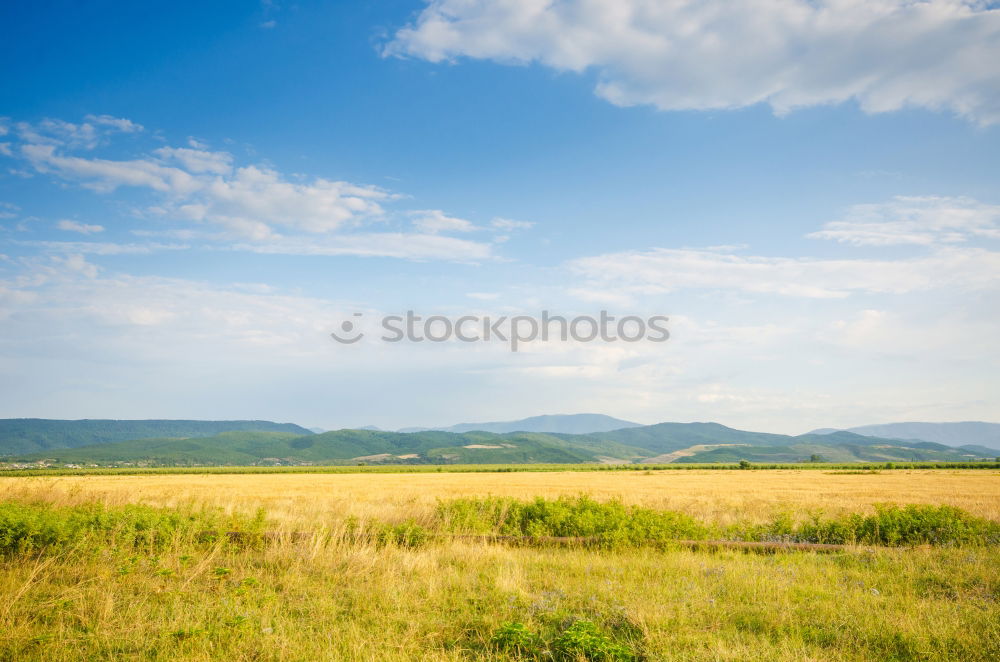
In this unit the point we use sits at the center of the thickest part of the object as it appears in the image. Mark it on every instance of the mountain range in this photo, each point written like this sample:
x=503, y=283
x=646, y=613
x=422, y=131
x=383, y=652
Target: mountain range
x=951, y=434
x=557, y=423
x=265, y=443
x=19, y=436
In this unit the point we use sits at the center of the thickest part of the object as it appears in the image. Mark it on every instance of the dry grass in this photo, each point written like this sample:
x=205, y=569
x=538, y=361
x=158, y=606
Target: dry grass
x=716, y=496
x=335, y=600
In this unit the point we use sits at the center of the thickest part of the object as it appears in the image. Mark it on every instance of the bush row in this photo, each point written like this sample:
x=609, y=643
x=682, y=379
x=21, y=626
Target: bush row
x=616, y=524
x=29, y=527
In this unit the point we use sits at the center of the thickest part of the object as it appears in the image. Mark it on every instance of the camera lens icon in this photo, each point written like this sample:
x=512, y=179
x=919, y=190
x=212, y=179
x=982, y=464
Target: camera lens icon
x=349, y=336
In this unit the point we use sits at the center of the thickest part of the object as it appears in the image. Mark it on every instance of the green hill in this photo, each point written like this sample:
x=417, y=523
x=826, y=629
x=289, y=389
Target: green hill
x=827, y=453
x=20, y=436
x=670, y=437
x=663, y=443
x=250, y=447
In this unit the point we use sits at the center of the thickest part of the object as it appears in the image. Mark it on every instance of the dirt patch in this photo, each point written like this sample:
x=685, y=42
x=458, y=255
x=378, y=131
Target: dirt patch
x=667, y=458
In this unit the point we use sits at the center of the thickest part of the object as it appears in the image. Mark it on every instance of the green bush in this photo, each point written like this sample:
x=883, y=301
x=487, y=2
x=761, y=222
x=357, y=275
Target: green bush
x=406, y=534
x=609, y=524
x=579, y=640
x=614, y=524
x=903, y=525
x=585, y=640
x=517, y=640
x=31, y=527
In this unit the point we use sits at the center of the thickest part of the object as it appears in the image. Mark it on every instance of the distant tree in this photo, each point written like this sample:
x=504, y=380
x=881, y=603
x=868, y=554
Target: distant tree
x=745, y=465
x=815, y=457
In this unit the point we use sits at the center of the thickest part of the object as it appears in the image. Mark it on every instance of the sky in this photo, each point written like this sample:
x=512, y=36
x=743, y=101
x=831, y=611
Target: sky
x=194, y=196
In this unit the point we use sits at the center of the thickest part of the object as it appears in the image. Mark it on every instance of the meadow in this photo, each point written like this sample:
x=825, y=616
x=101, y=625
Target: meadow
x=367, y=566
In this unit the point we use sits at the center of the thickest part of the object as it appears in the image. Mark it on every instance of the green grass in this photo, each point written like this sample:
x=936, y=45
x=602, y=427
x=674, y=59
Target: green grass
x=106, y=583
x=613, y=524
x=28, y=528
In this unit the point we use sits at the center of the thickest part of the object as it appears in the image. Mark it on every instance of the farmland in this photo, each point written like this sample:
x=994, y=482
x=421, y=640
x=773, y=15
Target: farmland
x=358, y=566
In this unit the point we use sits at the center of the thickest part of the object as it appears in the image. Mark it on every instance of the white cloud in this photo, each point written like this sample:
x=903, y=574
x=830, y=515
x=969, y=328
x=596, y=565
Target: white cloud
x=915, y=220
x=117, y=123
x=686, y=54
x=433, y=221
x=198, y=160
x=82, y=228
x=254, y=204
x=376, y=244
x=85, y=135
x=105, y=175
x=101, y=248
x=508, y=224
x=200, y=188
x=77, y=264
x=662, y=270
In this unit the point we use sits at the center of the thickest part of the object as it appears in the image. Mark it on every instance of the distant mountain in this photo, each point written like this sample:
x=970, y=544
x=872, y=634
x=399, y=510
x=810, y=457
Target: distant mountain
x=552, y=423
x=670, y=437
x=950, y=434
x=19, y=436
x=661, y=443
x=250, y=447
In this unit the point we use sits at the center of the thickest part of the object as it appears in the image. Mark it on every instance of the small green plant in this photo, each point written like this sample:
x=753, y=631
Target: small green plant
x=903, y=525
x=32, y=527
x=607, y=524
x=516, y=639
x=583, y=639
x=406, y=534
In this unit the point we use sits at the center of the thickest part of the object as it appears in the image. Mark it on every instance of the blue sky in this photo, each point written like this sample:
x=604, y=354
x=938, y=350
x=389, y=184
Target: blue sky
x=193, y=197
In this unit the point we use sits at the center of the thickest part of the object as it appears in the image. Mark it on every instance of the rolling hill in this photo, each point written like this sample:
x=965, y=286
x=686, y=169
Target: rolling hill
x=552, y=423
x=661, y=443
x=250, y=447
x=20, y=436
x=967, y=433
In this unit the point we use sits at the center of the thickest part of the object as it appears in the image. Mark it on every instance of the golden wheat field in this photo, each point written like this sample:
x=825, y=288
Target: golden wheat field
x=712, y=494
x=325, y=595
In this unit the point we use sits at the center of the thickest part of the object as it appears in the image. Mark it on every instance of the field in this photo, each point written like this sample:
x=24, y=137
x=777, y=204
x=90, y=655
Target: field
x=357, y=566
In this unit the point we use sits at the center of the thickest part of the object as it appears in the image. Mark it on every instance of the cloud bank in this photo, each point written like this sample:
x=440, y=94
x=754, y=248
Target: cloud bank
x=688, y=55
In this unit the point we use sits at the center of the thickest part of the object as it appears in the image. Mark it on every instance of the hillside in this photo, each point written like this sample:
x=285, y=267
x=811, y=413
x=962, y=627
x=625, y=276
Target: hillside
x=341, y=447
x=670, y=437
x=843, y=452
x=660, y=444
x=967, y=433
x=20, y=436
x=712, y=442
x=552, y=423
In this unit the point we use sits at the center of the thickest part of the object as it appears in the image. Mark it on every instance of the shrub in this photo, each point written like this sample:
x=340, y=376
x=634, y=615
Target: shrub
x=904, y=525
x=585, y=640
x=610, y=524
x=31, y=527
x=516, y=639
x=580, y=640
x=406, y=534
